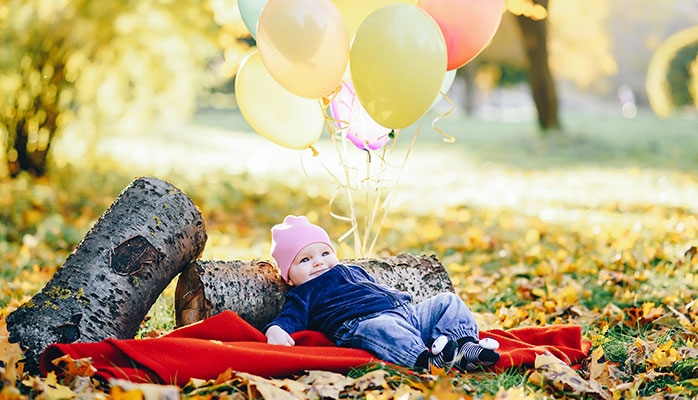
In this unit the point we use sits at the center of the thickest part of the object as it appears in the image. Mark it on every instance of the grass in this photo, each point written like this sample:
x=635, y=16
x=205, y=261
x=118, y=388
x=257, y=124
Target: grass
x=586, y=227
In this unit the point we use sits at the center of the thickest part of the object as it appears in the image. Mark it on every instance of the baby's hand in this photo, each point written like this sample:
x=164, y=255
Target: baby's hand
x=276, y=335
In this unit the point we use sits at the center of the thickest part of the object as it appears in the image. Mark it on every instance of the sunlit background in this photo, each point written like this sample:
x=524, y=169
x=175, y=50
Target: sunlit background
x=147, y=88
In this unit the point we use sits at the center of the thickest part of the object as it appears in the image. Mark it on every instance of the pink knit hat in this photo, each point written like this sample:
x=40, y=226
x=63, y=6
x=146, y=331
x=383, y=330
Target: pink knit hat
x=292, y=235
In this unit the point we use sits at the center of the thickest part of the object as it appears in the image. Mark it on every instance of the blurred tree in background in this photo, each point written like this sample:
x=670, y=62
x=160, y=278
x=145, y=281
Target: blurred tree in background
x=82, y=69
x=533, y=21
x=104, y=67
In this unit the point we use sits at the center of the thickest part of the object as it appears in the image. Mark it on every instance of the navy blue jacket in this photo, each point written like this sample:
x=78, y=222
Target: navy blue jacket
x=342, y=293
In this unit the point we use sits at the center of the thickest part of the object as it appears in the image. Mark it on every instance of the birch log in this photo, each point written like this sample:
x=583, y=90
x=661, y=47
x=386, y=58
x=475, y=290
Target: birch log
x=256, y=291
x=108, y=284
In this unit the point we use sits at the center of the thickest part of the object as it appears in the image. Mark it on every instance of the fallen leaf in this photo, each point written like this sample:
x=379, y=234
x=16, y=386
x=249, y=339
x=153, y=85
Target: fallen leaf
x=49, y=388
x=10, y=353
x=265, y=387
x=443, y=390
x=371, y=380
x=599, y=368
x=126, y=390
x=73, y=368
x=326, y=384
x=557, y=373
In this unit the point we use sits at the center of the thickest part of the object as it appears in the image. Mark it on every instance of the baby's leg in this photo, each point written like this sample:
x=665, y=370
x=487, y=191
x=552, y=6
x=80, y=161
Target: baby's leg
x=446, y=314
x=388, y=334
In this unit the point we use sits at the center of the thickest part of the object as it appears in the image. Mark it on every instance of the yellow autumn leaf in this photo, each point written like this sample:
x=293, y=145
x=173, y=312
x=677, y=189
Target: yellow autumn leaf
x=50, y=389
x=10, y=353
x=371, y=380
x=126, y=390
x=118, y=393
x=599, y=368
x=664, y=355
x=443, y=390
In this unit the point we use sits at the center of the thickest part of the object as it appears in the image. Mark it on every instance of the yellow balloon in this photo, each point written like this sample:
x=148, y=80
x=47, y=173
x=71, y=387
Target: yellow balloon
x=356, y=11
x=272, y=111
x=397, y=62
x=304, y=44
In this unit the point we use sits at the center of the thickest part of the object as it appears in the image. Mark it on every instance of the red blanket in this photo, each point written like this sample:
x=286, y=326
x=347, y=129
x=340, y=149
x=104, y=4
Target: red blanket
x=206, y=349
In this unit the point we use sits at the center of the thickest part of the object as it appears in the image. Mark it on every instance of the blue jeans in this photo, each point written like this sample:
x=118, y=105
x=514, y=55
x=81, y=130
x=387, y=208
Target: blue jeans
x=401, y=334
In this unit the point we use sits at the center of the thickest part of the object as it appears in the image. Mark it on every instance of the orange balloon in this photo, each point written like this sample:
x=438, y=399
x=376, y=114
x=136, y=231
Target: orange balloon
x=467, y=25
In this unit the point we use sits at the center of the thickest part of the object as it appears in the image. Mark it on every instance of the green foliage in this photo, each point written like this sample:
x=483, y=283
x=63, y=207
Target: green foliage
x=679, y=76
x=512, y=75
x=96, y=68
x=489, y=384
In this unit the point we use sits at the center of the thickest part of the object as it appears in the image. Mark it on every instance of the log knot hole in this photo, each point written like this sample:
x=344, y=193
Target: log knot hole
x=70, y=331
x=131, y=256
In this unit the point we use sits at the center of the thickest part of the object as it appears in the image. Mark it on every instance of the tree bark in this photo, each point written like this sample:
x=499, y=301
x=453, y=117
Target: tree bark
x=535, y=41
x=256, y=291
x=108, y=284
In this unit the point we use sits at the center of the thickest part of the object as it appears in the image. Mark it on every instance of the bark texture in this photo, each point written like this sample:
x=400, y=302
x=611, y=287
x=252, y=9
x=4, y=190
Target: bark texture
x=256, y=291
x=107, y=285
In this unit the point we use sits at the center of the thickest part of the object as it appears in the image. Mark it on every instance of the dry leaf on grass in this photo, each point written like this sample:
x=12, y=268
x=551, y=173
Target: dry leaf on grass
x=327, y=385
x=551, y=371
x=126, y=390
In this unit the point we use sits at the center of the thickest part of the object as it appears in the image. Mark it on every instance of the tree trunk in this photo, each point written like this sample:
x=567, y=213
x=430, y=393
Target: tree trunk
x=535, y=41
x=108, y=284
x=256, y=291
x=31, y=156
x=467, y=72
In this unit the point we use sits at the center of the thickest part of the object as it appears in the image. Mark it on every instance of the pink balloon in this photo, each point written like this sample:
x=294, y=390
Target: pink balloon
x=361, y=129
x=467, y=25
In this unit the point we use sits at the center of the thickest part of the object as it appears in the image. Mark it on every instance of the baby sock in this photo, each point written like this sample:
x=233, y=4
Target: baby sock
x=443, y=359
x=473, y=354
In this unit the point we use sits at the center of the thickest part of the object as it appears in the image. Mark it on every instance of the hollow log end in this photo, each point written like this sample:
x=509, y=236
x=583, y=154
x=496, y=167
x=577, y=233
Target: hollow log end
x=191, y=304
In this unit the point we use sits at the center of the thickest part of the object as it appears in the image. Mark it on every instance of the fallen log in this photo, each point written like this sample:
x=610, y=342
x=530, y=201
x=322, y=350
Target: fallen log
x=255, y=289
x=108, y=284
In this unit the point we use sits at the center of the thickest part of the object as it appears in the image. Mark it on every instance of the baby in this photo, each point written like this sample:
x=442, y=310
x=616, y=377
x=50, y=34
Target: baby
x=346, y=304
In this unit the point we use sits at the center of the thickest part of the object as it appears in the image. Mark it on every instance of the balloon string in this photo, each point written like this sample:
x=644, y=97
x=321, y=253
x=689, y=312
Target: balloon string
x=374, y=209
x=378, y=185
x=341, y=153
x=387, y=203
x=447, y=138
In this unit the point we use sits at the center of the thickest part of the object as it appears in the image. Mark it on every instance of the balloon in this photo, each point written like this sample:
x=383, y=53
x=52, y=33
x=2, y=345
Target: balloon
x=445, y=86
x=356, y=11
x=250, y=10
x=361, y=130
x=467, y=25
x=397, y=63
x=304, y=45
x=272, y=111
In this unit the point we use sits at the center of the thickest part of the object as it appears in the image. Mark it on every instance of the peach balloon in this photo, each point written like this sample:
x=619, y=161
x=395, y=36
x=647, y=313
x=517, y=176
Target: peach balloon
x=304, y=44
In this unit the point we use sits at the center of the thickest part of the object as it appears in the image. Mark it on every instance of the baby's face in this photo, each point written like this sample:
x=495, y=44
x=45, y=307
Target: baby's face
x=312, y=261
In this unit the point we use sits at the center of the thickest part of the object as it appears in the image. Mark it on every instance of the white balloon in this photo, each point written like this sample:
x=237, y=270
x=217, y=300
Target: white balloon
x=445, y=86
x=250, y=11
